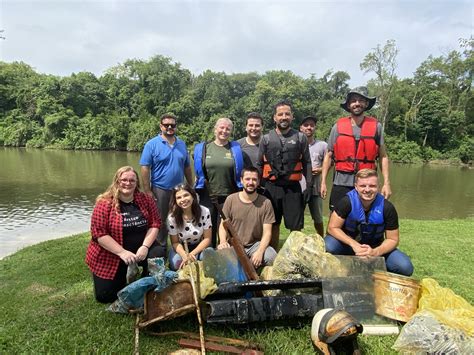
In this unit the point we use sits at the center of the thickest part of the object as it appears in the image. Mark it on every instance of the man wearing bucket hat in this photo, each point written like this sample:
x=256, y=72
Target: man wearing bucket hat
x=365, y=224
x=355, y=143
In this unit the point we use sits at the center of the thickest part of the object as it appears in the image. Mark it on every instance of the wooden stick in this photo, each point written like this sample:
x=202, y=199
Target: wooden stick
x=234, y=241
x=137, y=335
x=196, y=300
x=217, y=339
x=232, y=349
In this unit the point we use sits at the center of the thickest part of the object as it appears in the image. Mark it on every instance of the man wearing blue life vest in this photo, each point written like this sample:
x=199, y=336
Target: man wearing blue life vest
x=283, y=160
x=364, y=223
x=355, y=142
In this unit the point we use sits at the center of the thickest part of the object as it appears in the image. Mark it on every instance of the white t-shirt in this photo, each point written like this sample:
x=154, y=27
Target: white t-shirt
x=191, y=231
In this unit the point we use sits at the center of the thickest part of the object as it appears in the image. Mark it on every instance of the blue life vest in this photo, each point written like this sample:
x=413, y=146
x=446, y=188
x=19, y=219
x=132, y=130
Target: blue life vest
x=200, y=157
x=366, y=231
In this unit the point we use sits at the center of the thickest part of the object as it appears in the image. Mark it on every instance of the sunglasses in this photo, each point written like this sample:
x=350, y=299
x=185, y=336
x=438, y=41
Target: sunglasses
x=169, y=125
x=180, y=187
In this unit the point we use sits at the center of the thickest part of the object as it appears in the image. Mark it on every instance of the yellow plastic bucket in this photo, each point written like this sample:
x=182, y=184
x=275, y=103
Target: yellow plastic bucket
x=396, y=296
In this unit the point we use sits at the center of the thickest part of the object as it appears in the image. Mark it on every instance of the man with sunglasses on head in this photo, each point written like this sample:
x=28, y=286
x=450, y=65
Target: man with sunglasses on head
x=164, y=164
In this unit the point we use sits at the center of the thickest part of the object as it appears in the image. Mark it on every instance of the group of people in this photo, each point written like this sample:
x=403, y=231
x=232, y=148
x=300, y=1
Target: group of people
x=255, y=182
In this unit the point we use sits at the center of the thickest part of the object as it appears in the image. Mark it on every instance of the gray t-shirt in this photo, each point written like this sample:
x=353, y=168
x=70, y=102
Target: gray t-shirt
x=347, y=179
x=250, y=152
x=317, y=151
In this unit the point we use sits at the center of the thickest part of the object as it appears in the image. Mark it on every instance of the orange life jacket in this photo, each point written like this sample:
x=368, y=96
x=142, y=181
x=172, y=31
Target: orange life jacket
x=282, y=160
x=352, y=155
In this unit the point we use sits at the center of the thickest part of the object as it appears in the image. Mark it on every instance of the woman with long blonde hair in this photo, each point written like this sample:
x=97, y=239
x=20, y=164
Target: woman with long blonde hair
x=124, y=226
x=218, y=166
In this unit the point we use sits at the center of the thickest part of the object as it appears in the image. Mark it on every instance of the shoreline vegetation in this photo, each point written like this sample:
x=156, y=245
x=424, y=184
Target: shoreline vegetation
x=426, y=117
x=47, y=301
x=440, y=162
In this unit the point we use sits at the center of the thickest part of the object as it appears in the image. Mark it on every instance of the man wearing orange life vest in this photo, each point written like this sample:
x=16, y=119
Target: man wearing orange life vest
x=283, y=160
x=355, y=143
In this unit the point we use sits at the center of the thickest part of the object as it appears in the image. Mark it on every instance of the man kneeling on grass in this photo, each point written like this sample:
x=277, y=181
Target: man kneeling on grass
x=251, y=214
x=365, y=224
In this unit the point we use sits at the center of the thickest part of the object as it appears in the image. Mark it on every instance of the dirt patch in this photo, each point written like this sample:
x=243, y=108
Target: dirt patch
x=37, y=288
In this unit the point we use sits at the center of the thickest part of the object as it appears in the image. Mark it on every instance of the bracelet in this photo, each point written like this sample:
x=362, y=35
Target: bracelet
x=143, y=245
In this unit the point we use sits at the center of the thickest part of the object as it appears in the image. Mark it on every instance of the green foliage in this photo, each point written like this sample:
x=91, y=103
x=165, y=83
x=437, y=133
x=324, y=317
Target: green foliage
x=120, y=109
x=403, y=152
x=465, y=152
x=141, y=131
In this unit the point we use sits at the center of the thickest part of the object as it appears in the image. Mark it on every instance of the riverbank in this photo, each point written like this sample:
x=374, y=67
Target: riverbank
x=47, y=301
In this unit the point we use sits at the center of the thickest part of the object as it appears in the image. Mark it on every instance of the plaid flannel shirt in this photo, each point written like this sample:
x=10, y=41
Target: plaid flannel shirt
x=108, y=221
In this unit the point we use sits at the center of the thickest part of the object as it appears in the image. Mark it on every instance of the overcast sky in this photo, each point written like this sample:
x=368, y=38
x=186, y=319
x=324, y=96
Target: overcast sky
x=63, y=36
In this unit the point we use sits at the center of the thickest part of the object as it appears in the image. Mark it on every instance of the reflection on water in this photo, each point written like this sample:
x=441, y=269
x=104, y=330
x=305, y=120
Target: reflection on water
x=48, y=194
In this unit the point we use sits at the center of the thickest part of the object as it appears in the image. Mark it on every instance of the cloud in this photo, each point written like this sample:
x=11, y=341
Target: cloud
x=232, y=36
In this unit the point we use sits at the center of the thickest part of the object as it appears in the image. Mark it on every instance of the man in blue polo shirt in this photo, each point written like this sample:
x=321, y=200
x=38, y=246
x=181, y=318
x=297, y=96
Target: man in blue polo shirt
x=164, y=164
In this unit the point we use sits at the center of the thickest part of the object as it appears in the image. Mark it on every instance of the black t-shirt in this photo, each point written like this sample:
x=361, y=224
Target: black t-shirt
x=134, y=227
x=390, y=216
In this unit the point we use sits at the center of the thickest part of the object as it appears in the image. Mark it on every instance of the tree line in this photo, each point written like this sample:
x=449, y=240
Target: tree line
x=425, y=117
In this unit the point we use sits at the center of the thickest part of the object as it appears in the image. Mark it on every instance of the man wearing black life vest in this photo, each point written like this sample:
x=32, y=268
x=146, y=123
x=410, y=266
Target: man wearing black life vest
x=355, y=143
x=284, y=158
x=365, y=224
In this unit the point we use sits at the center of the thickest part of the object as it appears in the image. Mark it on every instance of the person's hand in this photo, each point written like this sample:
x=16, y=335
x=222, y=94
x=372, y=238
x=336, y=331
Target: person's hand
x=317, y=171
x=223, y=246
x=128, y=257
x=306, y=195
x=386, y=191
x=142, y=252
x=191, y=258
x=186, y=259
x=257, y=258
x=323, y=191
x=360, y=249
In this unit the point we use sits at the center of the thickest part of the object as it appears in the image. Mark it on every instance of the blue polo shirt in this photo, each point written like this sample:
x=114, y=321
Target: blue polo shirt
x=166, y=163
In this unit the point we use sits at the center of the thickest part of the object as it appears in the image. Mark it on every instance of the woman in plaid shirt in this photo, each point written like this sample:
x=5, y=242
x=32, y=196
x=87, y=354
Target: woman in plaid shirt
x=124, y=226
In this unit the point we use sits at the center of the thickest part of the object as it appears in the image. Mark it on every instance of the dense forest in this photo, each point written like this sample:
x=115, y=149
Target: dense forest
x=426, y=117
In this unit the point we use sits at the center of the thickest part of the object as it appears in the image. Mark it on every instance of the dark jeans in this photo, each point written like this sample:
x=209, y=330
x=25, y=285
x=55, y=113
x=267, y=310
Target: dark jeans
x=105, y=290
x=396, y=261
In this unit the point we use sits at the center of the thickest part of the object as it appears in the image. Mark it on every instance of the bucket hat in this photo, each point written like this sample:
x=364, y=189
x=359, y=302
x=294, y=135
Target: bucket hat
x=362, y=91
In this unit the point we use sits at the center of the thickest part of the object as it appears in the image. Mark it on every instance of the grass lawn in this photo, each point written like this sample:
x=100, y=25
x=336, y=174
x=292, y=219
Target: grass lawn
x=47, y=302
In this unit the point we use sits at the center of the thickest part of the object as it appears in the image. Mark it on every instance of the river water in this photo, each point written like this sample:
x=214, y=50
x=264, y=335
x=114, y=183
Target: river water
x=47, y=194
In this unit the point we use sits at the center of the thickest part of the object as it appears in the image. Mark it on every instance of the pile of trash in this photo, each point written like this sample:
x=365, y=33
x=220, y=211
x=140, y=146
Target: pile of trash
x=443, y=323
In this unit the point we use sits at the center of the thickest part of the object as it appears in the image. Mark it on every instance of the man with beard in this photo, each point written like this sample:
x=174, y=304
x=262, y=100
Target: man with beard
x=251, y=142
x=365, y=224
x=284, y=159
x=251, y=214
x=355, y=143
x=164, y=163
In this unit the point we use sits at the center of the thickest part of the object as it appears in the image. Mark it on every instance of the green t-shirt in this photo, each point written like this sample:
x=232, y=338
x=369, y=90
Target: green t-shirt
x=220, y=169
